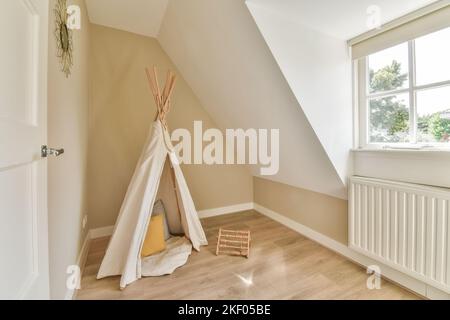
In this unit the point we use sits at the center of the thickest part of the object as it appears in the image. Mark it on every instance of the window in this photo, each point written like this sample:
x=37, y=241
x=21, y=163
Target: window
x=404, y=94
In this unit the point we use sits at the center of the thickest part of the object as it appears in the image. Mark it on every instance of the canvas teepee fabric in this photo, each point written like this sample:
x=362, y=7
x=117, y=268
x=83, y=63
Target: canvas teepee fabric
x=157, y=176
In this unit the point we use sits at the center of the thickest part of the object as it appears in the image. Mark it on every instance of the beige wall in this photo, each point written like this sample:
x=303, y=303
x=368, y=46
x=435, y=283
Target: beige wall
x=68, y=101
x=320, y=212
x=121, y=112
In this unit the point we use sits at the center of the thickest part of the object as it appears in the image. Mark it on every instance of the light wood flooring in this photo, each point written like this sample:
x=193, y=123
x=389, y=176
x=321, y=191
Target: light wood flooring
x=282, y=265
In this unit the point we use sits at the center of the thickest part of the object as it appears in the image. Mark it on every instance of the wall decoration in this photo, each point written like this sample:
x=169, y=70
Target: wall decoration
x=64, y=39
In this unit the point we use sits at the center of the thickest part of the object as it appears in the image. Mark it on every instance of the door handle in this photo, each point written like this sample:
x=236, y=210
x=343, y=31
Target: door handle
x=46, y=152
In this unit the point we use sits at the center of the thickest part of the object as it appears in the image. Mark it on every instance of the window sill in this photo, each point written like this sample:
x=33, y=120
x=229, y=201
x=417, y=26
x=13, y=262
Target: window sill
x=422, y=153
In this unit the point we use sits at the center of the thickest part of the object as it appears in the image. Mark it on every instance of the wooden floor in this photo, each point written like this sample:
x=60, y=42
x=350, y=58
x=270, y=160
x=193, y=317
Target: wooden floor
x=282, y=265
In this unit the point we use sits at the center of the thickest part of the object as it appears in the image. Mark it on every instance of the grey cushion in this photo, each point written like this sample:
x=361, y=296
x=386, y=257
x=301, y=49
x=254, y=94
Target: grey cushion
x=158, y=209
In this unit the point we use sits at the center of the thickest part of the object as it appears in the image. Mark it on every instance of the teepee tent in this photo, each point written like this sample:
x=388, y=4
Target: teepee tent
x=157, y=176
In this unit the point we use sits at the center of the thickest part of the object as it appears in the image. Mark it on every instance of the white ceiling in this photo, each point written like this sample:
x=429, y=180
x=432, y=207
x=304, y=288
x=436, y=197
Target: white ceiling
x=342, y=19
x=138, y=16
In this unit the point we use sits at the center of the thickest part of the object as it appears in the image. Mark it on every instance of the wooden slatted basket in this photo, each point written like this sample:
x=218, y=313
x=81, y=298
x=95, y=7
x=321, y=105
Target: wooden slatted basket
x=232, y=242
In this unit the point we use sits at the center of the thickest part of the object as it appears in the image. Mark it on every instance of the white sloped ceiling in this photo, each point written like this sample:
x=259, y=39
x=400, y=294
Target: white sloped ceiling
x=318, y=69
x=340, y=19
x=218, y=48
x=308, y=40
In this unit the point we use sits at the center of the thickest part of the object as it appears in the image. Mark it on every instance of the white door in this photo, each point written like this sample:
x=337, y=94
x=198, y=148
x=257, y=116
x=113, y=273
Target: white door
x=23, y=129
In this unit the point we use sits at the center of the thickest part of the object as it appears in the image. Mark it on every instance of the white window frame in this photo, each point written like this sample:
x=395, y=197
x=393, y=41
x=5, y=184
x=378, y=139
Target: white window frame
x=361, y=87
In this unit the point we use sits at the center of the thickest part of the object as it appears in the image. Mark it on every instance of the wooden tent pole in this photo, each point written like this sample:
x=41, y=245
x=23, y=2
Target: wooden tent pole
x=169, y=89
x=169, y=74
x=172, y=86
x=151, y=84
x=162, y=99
x=155, y=74
x=165, y=93
x=154, y=91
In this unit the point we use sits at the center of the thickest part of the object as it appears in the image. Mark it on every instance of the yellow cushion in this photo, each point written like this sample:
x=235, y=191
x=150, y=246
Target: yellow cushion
x=154, y=239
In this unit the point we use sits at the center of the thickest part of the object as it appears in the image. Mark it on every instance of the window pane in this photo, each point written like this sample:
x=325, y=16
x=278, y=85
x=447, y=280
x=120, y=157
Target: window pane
x=433, y=109
x=433, y=57
x=389, y=119
x=388, y=69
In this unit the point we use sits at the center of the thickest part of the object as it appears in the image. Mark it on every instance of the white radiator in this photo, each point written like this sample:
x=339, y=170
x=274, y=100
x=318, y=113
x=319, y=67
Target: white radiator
x=404, y=226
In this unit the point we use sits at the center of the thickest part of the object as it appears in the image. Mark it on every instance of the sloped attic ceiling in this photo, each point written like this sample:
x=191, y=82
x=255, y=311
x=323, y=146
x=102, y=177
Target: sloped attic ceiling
x=340, y=19
x=218, y=48
x=308, y=40
x=318, y=69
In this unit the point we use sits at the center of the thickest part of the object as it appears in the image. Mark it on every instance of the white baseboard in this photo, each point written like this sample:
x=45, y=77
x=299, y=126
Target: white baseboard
x=108, y=231
x=303, y=230
x=81, y=262
x=101, y=232
x=389, y=273
x=225, y=210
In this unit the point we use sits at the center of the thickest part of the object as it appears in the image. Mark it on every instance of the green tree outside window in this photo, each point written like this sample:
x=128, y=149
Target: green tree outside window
x=389, y=116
